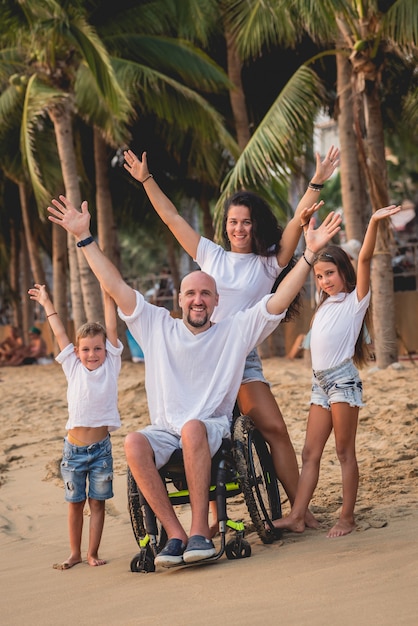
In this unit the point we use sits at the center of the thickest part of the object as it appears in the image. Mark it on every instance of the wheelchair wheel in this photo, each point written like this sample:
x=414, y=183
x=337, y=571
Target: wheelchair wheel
x=143, y=562
x=237, y=549
x=141, y=527
x=257, y=477
x=134, y=507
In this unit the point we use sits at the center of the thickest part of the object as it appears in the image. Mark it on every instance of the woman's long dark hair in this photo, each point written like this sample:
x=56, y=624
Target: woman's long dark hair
x=337, y=256
x=266, y=236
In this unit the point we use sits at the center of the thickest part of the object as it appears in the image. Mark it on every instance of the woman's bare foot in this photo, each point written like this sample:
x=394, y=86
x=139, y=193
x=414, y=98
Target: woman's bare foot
x=290, y=523
x=311, y=521
x=94, y=561
x=68, y=563
x=341, y=528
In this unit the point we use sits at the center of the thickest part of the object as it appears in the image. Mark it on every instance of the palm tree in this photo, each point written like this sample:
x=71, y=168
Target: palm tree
x=367, y=31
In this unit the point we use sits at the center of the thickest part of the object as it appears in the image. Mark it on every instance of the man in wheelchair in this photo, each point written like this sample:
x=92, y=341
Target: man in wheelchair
x=193, y=373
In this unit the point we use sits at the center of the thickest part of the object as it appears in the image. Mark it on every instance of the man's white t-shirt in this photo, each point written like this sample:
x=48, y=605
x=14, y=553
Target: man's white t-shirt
x=242, y=279
x=92, y=395
x=335, y=329
x=190, y=376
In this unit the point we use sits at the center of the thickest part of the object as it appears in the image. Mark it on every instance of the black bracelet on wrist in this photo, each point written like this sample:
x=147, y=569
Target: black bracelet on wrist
x=146, y=178
x=85, y=242
x=315, y=186
x=310, y=264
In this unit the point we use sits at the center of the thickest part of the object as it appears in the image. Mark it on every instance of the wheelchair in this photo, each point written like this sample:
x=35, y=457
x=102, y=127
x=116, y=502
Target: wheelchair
x=242, y=465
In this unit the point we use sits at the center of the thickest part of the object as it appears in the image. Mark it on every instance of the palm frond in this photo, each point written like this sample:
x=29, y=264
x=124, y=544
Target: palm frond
x=179, y=59
x=95, y=55
x=400, y=23
x=279, y=139
x=38, y=98
x=173, y=102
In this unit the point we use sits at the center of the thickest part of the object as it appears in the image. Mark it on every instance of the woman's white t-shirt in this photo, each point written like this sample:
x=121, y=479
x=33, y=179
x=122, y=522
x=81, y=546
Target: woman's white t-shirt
x=242, y=279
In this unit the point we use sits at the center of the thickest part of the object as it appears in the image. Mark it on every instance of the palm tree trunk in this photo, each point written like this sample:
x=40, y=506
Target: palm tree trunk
x=106, y=228
x=237, y=96
x=353, y=183
x=38, y=273
x=369, y=128
x=86, y=303
x=59, y=277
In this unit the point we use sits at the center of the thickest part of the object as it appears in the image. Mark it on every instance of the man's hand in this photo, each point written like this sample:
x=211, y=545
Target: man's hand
x=317, y=239
x=73, y=221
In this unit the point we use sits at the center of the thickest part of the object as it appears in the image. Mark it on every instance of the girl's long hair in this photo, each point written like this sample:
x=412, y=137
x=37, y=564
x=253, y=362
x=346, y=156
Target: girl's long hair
x=266, y=236
x=337, y=256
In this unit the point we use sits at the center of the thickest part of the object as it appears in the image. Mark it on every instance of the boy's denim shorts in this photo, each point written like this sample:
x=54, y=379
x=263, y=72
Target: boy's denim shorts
x=94, y=462
x=164, y=443
x=253, y=370
x=339, y=384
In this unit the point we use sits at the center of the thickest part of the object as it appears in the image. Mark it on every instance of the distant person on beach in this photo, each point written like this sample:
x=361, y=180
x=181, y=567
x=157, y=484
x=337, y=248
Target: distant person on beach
x=10, y=345
x=193, y=374
x=92, y=368
x=29, y=354
x=337, y=347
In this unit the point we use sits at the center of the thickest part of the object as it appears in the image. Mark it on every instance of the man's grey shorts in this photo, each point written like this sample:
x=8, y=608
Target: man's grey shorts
x=338, y=384
x=164, y=443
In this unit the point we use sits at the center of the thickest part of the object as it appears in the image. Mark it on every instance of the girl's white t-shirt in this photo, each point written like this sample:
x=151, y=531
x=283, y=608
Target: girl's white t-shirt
x=92, y=395
x=242, y=279
x=335, y=329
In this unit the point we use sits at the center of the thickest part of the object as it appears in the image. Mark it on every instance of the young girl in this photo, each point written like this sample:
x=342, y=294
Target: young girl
x=337, y=344
x=92, y=368
x=257, y=251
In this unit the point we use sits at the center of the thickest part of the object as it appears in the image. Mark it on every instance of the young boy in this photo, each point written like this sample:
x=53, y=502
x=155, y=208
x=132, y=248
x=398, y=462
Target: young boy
x=92, y=368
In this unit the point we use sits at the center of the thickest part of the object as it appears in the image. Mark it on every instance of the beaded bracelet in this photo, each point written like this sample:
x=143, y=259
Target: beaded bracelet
x=310, y=264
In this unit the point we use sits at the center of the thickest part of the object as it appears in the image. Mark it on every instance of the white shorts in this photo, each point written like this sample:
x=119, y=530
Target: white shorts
x=164, y=443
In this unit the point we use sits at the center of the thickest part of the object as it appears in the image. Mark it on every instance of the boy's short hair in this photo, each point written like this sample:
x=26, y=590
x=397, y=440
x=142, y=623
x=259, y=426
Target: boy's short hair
x=91, y=329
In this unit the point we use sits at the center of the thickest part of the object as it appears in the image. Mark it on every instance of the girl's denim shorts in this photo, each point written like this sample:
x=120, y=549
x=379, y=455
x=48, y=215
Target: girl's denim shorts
x=94, y=462
x=253, y=369
x=339, y=384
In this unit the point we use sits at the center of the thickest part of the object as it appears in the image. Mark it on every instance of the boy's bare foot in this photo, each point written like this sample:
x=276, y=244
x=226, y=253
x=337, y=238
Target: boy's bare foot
x=311, y=521
x=94, y=561
x=67, y=564
x=341, y=528
x=290, y=523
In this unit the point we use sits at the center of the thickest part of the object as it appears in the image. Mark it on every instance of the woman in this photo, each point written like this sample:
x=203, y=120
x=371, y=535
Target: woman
x=257, y=251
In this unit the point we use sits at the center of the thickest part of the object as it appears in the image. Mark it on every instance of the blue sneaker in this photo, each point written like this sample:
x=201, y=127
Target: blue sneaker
x=198, y=549
x=171, y=554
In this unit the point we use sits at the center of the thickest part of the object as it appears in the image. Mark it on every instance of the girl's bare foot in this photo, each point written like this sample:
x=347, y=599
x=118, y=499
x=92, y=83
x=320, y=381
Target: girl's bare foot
x=341, y=528
x=213, y=530
x=290, y=523
x=68, y=563
x=94, y=561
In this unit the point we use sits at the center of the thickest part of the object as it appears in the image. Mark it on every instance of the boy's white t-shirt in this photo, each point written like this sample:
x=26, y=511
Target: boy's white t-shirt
x=335, y=329
x=198, y=376
x=242, y=279
x=92, y=395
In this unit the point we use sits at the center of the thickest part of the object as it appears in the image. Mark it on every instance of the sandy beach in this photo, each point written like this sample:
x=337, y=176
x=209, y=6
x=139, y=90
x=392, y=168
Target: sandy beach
x=368, y=578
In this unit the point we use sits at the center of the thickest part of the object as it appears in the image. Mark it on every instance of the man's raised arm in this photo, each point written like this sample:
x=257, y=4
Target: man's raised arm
x=77, y=223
